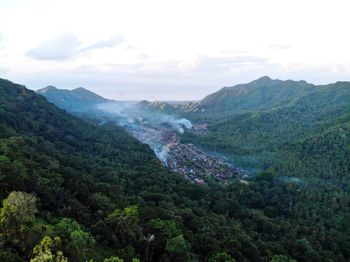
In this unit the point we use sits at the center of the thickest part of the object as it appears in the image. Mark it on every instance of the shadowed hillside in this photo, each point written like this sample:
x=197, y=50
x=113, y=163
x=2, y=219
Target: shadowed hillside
x=73, y=189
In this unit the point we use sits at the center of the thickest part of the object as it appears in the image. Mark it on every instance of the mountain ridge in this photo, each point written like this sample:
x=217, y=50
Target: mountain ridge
x=261, y=94
x=76, y=100
x=91, y=192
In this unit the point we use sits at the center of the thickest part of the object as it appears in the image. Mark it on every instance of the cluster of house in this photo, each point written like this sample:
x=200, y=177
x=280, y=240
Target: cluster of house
x=186, y=159
x=196, y=165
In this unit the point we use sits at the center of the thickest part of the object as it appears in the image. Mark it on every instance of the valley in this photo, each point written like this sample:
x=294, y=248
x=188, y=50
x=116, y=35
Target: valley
x=186, y=159
x=174, y=131
x=161, y=131
x=101, y=171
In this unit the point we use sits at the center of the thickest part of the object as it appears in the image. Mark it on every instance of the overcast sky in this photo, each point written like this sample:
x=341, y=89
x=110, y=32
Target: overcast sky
x=172, y=50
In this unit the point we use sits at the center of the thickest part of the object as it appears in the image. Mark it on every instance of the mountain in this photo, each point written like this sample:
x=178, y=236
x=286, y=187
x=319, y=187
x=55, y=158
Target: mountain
x=76, y=100
x=254, y=123
x=79, y=190
x=261, y=94
x=256, y=133
x=66, y=176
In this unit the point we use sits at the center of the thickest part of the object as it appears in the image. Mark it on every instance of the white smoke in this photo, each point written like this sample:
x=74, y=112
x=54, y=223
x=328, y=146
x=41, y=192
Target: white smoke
x=176, y=124
x=115, y=108
x=179, y=124
x=128, y=113
x=163, y=155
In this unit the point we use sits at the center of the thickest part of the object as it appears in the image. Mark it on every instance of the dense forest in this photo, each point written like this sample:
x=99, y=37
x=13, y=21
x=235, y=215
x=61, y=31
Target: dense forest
x=258, y=136
x=75, y=190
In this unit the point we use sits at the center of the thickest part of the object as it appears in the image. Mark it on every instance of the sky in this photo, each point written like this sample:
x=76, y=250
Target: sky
x=171, y=50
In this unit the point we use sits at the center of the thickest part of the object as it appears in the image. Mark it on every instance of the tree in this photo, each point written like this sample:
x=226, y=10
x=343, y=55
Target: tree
x=125, y=224
x=281, y=258
x=221, y=257
x=117, y=259
x=127, y=253
x=18, y=208
x=113, y=259
x=81, y=241
x=17, y=217
x=48, y=251
x=178, y=247
x=268, y=176
x=66, y=226
x=77, y=241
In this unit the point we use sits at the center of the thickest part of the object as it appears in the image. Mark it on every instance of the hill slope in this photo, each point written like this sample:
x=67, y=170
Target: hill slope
x=76, y=170
x=253, y=137
x=76, y=100
x=93, y=192
x=261, y=94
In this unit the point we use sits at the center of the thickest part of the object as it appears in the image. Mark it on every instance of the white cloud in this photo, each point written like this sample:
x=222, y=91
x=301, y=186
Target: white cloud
x=67, y=45
x=2, y=42
x=109, y=43
x=62, y=47
x=178, y=43
x=4, y=70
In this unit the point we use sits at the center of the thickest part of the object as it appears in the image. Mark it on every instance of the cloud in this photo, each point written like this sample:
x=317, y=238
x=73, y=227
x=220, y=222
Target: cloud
x=109, y=43
x=63, y=47
x=279, y=47
x=228, y=61
x=2, y=41
x=4, y=70
x=213, y=70
x=202, y=66
x=220, y=67
x=67, y=45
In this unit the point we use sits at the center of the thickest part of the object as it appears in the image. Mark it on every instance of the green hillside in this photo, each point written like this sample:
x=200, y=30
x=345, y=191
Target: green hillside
x=77, y=100
x=84, y=192
x=254, y=137
x=261, y=94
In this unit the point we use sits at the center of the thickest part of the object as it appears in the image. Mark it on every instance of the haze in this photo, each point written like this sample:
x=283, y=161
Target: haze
x=171, y=50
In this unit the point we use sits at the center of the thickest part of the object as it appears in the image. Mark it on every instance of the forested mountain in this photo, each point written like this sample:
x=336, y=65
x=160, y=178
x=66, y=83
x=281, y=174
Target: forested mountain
x=76, y=100
x=255, y=136
x=254, y=124
x=73, y=189
x=261, y=94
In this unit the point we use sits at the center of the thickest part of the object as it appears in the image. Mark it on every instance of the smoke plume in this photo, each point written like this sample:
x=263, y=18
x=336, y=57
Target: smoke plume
x=130, y=114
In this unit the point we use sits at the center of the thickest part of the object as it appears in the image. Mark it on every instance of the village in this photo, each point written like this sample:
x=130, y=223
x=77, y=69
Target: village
x=198, y=166
x=186, y=159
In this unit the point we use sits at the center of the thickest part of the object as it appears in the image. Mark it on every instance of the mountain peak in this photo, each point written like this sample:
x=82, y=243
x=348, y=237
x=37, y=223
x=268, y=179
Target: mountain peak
x=263, y=79
x=261, y=94
x=83, y=92
x=76, y=100
x=46, y=89
x=81, y=89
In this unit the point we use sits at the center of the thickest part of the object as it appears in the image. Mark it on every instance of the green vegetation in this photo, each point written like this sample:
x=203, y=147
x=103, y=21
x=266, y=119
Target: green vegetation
x=258, y=138
x=78, y=100
x=261, y=94
x=79, y=191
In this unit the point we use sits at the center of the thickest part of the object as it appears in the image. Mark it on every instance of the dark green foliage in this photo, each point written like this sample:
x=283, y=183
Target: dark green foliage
x=101, y=194
x=265, y=176
x=261, y=94
x=311, y=125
